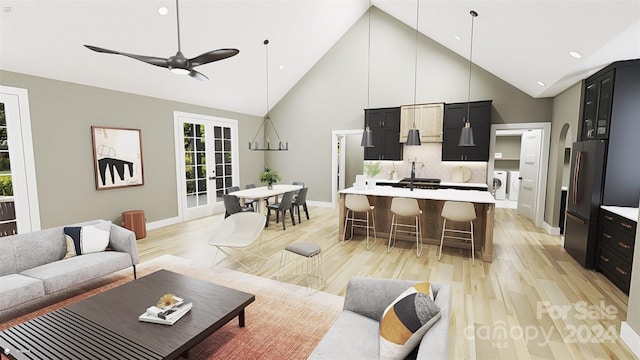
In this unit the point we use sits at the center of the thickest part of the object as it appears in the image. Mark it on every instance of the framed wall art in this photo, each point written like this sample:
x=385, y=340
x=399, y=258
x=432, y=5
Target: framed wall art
x=117, y=155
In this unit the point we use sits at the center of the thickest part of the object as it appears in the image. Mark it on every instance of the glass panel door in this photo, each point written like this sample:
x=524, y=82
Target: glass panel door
x=206, y=150
x=8, y=225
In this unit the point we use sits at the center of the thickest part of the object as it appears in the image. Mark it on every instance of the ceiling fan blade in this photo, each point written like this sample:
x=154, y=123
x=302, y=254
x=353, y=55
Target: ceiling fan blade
x=198, y=75
x=212, y=56
x=162, y=62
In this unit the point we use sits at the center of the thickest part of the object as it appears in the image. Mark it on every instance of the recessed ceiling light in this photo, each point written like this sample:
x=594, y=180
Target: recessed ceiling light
x=541, y=83
x=575, y=54
x=162, y=10
x=280, y=67
x=457, y=37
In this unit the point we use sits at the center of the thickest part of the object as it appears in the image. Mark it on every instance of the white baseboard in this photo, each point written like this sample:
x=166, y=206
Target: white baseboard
x=320, y=204
x=164, y=222
x=630, y=338
x=550, y=229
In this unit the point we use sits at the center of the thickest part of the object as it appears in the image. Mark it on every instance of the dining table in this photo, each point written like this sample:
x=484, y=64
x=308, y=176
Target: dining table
x=261, y=194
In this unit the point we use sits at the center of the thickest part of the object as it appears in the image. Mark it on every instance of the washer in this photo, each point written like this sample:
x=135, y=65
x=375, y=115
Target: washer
x=514, y=185
x=500, y=184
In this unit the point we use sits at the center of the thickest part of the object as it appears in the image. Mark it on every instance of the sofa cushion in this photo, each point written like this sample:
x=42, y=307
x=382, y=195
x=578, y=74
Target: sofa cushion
x=17, y=289
x=406, y=320
x=87, y=239
x=62, y=274
x=352, y=336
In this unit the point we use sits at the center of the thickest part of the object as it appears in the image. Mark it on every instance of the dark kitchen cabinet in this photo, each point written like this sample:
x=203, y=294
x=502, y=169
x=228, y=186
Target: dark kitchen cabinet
x=596, y=111
x=385, y=126
x=454, y=116
x=616, y=241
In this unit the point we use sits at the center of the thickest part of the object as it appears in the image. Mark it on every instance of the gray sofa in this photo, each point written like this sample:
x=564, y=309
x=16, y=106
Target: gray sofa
x=355, y=334
x=34, y=274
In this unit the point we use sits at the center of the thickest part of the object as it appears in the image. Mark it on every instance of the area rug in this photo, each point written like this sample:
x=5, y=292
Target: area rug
x=284, y=322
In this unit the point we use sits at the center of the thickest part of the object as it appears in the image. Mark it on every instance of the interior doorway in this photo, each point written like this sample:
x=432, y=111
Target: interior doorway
x=537, y=159
x=347, y=157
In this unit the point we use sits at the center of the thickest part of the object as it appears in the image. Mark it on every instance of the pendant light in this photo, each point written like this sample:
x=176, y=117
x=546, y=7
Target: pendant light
x=413, y=138
x=466, y=135
x=367, y=134
x=253, y=144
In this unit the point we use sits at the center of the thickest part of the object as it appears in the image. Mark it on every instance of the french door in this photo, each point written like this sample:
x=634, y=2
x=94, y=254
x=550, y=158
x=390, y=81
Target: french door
x=19, y=210
x=206, y=156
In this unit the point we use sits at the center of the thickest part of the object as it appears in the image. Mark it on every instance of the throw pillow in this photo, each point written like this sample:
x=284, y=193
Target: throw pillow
x=87, y=239
x=406, y=320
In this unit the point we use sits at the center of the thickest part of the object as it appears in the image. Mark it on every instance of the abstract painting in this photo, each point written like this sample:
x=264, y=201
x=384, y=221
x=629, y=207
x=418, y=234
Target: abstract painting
x=117, y=155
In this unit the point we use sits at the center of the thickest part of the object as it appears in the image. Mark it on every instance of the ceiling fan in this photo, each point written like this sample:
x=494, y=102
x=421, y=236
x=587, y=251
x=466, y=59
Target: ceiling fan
x=178, y=63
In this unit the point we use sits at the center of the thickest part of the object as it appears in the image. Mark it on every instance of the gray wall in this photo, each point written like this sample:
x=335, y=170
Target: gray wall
x=566, y=111
x=61, y=116
x=333, y=94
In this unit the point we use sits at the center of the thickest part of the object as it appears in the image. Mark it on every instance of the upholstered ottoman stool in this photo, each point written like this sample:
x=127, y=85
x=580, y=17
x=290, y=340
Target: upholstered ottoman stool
x=311, y=268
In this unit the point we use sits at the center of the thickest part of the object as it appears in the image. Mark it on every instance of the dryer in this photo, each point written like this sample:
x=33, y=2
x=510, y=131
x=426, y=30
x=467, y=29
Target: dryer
x=500, y=184
x=514, y=185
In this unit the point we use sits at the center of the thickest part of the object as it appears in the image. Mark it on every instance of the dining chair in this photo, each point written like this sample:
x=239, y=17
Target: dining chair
x=301, y=183
x=231, y=189
x=301, y=200
x=232, y=205
x=250, y=202
x=281, y=208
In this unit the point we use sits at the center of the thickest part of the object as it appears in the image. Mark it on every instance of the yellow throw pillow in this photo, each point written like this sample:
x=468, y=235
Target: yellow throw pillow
x=406, y=320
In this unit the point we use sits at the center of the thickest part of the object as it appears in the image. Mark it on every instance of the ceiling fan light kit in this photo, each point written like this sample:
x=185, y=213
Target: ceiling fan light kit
x=177, y=64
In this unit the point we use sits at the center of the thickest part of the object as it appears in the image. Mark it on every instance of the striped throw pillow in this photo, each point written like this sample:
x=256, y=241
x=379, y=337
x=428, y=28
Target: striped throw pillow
x=406, y=320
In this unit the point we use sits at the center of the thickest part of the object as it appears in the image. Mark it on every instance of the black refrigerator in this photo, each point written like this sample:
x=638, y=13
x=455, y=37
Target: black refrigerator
x=584, y=199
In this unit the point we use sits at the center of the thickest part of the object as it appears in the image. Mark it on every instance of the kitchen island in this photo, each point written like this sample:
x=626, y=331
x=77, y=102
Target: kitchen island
x=430, y=202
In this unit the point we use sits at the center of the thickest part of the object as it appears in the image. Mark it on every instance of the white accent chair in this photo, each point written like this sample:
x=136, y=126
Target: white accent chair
x=239, y=232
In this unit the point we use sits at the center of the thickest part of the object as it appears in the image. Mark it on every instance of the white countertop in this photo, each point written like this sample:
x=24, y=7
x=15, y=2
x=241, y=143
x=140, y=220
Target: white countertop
x=626, y=212
x=475, y=196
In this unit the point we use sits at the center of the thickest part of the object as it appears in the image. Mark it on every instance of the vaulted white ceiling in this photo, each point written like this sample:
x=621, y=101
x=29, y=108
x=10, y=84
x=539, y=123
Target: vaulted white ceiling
x=519, y=41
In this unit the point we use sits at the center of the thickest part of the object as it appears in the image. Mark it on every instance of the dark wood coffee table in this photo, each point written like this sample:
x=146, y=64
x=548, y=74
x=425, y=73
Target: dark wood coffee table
x=107, y=326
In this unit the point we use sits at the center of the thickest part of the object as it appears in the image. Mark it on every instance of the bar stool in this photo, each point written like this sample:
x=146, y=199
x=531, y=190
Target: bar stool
x=457, y=211
x=313, y=255
x=405, y=207
x=358, y=203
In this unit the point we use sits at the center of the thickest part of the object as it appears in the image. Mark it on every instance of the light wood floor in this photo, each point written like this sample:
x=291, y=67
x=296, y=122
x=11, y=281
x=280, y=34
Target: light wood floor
x=532, y=301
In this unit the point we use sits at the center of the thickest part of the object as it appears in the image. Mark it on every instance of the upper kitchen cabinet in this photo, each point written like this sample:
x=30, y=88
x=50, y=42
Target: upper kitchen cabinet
x=454, y=118
x=621, y=187
x=385, y=126
x=596, y=106
x=609, y=98
x=428, y=120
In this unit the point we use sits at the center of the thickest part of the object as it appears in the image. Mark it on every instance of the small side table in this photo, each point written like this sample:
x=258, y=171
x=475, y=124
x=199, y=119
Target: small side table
x=135, y=221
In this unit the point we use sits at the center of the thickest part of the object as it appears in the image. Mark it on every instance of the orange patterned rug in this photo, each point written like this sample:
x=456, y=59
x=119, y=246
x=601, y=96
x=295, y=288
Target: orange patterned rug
x=284, y=322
